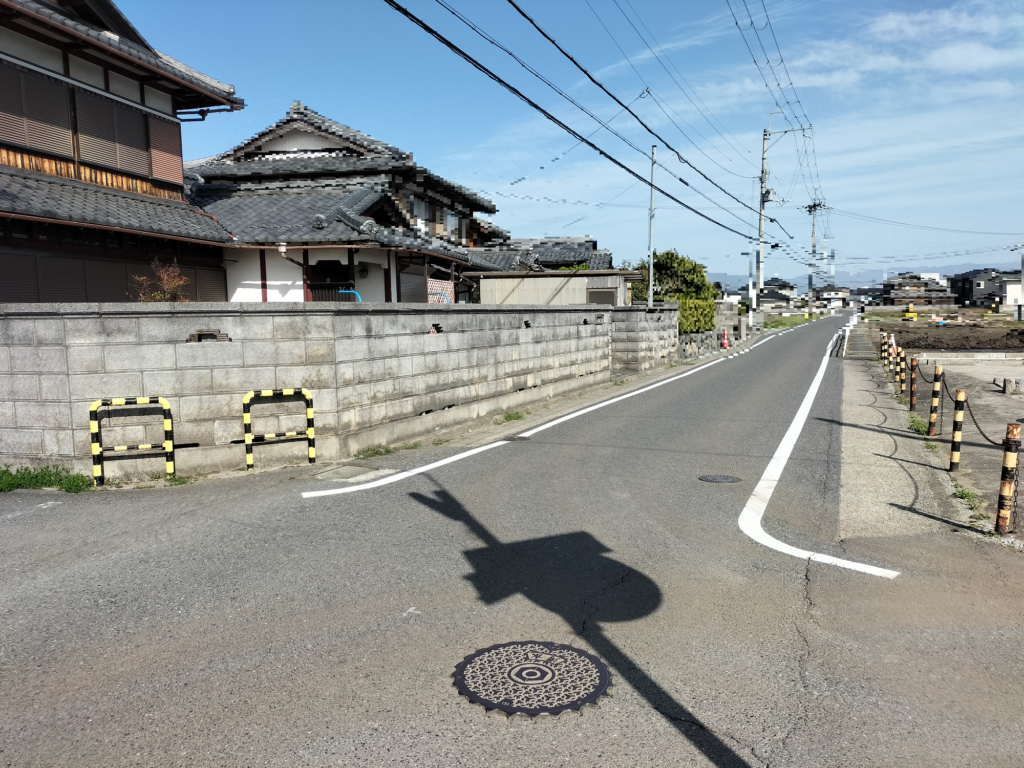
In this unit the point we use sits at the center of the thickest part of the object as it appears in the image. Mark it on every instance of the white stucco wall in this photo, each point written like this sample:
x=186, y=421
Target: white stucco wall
x=284, y=279
x=243, y=275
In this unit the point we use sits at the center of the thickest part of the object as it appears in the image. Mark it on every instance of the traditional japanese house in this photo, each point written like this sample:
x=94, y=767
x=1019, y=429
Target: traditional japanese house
x=322, y=212
x=91, y=183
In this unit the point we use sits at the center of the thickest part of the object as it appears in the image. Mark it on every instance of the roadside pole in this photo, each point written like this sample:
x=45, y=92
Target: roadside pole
x=913, y=383
x=650, y=234
x=958, y=431
x=1008, y=479
x=933, y=416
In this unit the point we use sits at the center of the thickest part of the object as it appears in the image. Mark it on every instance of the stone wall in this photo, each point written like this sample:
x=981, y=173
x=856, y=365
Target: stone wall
x=693, y=345
x=379, y=374
x=643, y=339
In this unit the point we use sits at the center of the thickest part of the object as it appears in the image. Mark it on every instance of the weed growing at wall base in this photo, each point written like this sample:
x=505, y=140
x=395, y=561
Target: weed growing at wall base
x=45, y=477
x=374, y=452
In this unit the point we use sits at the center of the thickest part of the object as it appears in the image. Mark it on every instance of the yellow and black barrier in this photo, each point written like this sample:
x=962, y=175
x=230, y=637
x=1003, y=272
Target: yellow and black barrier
x=1006, y=511
x=284, y=437
x=933, y=416
x=153, y=448
x=958, y=430
x=913, y=383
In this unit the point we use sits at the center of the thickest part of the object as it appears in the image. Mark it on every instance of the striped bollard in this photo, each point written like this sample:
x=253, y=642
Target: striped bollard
x=933, y=416
x=958, y=431
x=913, y=383
x=903, y=370
x=1008, y=480
x=885, y=354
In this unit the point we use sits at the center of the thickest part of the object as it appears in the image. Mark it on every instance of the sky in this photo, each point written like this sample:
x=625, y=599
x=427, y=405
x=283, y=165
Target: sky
x=906, y=111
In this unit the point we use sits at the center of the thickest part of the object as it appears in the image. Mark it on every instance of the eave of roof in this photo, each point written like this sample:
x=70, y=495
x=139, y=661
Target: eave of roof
x=27, y=194
x=150, y=59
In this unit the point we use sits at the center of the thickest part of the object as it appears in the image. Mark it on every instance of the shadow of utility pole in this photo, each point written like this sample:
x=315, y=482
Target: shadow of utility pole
x=571, y=576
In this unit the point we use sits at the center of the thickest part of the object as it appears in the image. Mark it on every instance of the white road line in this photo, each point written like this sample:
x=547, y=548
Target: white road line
x=750, y=518
x=466, y=454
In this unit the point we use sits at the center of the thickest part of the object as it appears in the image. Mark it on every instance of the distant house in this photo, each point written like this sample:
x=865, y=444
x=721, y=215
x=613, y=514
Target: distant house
x=983, y=287
x=321, y=212
x=778, y=285
x=90, y=157
x=774, y=299
x=546, y=253
x=557, y=287
x=867, y=294
x=910, y=288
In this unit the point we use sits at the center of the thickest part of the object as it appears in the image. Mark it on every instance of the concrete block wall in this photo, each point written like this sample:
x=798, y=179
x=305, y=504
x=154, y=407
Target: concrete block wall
x=643, y=339
x=378, y=373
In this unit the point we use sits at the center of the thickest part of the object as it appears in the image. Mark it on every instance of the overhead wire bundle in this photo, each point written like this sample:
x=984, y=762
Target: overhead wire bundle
x=561, y=124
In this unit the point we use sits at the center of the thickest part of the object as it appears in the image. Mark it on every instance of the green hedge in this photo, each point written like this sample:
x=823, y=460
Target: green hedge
x=696, y=315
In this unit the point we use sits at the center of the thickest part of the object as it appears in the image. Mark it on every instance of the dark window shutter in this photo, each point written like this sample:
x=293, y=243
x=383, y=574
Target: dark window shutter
x=132, y=146
x=106, y=280
x=20, y=282
x=48, y=115
x=61, y=279
x=211, y=284
x=12, y=106
x=97, y=139
x=165, y=143
x=413, y=285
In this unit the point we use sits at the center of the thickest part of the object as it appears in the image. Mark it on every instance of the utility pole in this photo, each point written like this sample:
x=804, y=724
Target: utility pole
x=650, y=235
x=760, y=218
x=813, y=209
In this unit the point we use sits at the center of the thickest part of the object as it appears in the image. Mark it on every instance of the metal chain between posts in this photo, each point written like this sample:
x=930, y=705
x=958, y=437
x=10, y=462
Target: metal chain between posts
x=978, y=426
x=970, y=411
x=921, y=374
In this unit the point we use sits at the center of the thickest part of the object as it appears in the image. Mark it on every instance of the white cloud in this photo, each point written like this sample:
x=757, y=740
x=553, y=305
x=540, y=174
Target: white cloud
x=972, y=57
x=963, y=19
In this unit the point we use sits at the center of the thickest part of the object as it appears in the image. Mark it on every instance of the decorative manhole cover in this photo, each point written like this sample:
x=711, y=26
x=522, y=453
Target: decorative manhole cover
x=720, y=479
x=532, y=678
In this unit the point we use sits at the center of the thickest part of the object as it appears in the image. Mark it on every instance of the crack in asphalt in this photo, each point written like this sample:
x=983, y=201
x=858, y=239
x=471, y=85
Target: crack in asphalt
x=802, y=661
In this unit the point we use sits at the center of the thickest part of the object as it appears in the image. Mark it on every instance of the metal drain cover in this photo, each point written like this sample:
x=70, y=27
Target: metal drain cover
x=532, y=678
x=720, y=479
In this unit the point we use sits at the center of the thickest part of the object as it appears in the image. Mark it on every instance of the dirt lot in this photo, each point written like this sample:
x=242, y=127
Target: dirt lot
x=921, y=335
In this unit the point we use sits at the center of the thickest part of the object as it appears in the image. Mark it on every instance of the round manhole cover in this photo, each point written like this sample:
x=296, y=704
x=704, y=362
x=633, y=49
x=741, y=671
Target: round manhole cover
x=720, y=479
x=532, y=678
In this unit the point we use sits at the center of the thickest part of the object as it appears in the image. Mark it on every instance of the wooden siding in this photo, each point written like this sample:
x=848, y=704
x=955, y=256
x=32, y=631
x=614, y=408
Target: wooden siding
x=30, y=161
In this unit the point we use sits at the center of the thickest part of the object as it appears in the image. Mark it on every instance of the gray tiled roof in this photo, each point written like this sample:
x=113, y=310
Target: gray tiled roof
x=548, y=253
x=314, y=215
x=138, y=52
x=299, y=112
x=383, y=159
x=27, y=193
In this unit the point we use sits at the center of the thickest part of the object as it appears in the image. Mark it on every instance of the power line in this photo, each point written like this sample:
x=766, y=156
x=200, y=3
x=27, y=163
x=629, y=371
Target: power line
x=864, y=217
x=523, y=97
x=571, y=100
x=618, y=101
x=555, y=159
x=633, y=66
x=680, y=87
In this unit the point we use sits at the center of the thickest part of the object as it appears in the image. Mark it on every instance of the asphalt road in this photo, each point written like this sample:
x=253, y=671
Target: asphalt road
x=233, y=622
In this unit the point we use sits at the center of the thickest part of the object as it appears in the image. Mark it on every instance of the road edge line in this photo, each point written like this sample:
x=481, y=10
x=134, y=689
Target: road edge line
x=753, y=511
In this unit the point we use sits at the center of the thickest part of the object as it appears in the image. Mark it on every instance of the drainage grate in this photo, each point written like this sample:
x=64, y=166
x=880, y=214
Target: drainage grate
x=517, y=438
x=532, y=678
x=720, y=479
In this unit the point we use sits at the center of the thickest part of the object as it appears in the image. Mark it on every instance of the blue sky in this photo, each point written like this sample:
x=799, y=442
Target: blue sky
x=917, y=110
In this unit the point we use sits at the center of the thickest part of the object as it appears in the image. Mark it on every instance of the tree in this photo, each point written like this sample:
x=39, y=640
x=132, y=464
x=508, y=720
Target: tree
x=675, y=277
x=168, y=285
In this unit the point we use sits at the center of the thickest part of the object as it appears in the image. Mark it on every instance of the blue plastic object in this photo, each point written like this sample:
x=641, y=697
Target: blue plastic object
x=358, y=297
